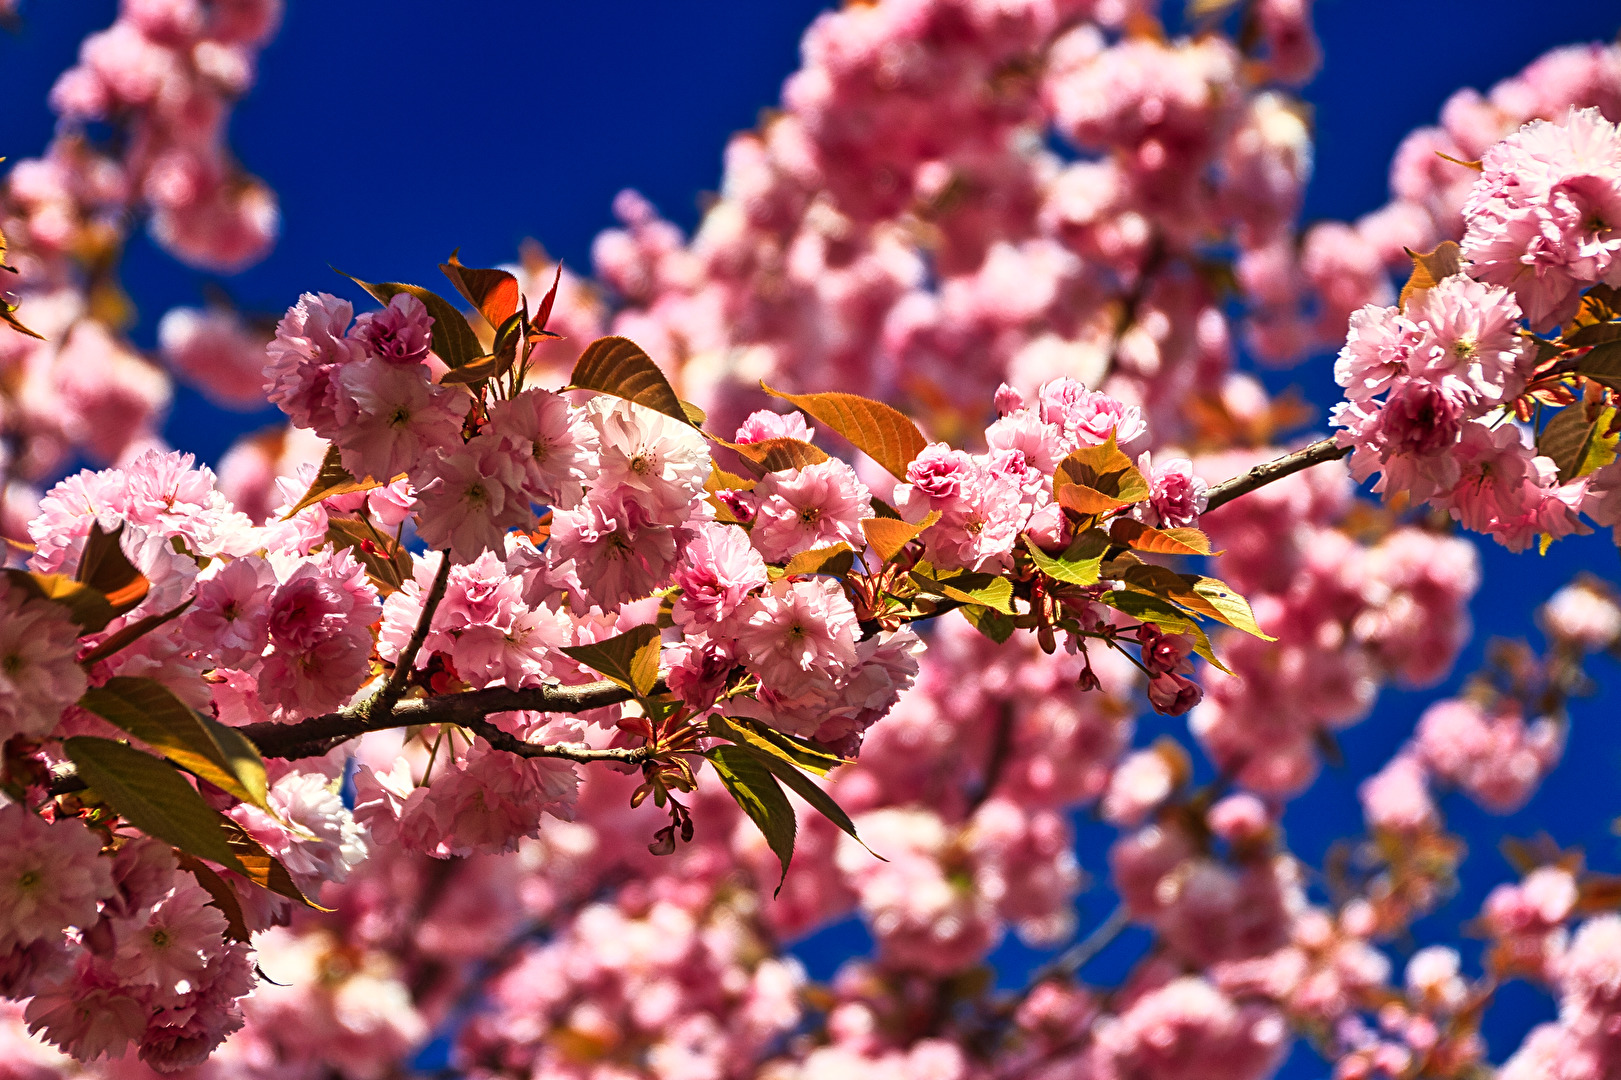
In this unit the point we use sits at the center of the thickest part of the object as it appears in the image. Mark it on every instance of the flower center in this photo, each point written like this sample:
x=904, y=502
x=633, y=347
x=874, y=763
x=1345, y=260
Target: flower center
x=477, y=497
x=399, y=417
x=160, y=938
x=1464, y=348
x=11, y=663
x=810, y=515
x=29, y=879
x=641, y=464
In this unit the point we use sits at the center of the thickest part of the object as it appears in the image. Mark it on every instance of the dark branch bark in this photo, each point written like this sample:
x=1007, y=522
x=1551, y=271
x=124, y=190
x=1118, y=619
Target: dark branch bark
x=1263, y=474
x=385, y=699
x=318, y=734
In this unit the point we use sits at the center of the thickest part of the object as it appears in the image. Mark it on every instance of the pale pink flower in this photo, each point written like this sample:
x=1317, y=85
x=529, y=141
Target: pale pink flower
x=555, y=443
x=308, y=346
x=1238, y=818
x=647, y=459
x=400, y=333
x=765, y=424
x=1142, y=780
x=320, y=635
x=1409, y=438
x=1508, y=490
x=1176, y=497
x=390, y=417
x=1088, y=417
x=798, y=636
x=1189, y=1030
x=618, y=554
x=1544, y=218
x=717, y=570
x=87, y=1021
x=309, y=829
x=802, y=509
x=170, y=944
x=471, y=502
x=215, y=351
x=39, y=671
x=939, y=478
x=1471, y=346
x=1041, y=443
x=1397, y=797
x=229, y=618
x=52, y=876
x=1583, y=612
x=1499, y=760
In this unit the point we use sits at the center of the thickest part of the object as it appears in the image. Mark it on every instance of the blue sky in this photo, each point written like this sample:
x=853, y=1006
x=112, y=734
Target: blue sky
x=396, y=130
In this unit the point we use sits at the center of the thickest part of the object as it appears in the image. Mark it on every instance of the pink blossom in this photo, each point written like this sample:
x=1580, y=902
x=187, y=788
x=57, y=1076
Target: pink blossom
x=765, y=424
x=718, y=569
x=1499, y=760
x=816, y=506
x=87, y=1021
x=398, y=334
x=1379, y=348
x=39, y=671
x=1471, y=346
x=390, y=418
x=309, y=829
x=170, y=944
x=1088, y=417
x=618, y=554
x=1397, y=797
x=308, y=346
x=319, y=626
x=939, y=478
x=1545, y=215
x=1176, y=497
x=217, y=352
x=230, y=614
x=555, y=444
x=1188, y=1029
x=647, y=459
x=470, y=503
x=1583, y=612
x=1141, y=781
x=51, y=876
x=799, y=636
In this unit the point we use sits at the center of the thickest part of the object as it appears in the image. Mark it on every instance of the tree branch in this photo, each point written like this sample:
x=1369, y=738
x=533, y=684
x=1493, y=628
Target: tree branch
x=319, y=734
x=1314, y=454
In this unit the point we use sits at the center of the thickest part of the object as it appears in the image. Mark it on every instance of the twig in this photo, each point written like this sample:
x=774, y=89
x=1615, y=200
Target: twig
x=1077, y=956
x=1314, y=454
x=383, y=701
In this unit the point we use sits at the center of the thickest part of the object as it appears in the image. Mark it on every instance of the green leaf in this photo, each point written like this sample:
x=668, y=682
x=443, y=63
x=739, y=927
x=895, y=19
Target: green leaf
x=152, y=796
x=1602, y=364
x=1429, y=268
x=836, y=559
x=1568, y=438
x=990, y=622
x=882, y=433
x=807, y=789
x=1080, y=562
x=1231, y=608
x=1139, y=537
x=203, y=747
x=453, y=340
x=333, y=479
x=493, y=292
x=754, y=787
x=796, y=751
x=86, y=606
x=104, y=567
x=1152, y=609
x=987, y=590
x=618, y=366
x=631, y=659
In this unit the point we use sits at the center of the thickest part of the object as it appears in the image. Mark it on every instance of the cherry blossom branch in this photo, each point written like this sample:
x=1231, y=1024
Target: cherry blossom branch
x=1314, y=454
x=319, y=734
x=1077, y=956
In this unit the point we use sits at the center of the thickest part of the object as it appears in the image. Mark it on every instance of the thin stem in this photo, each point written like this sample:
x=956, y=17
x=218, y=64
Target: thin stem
x=1314, y=454
x=384, y=701
x=1080, y=954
